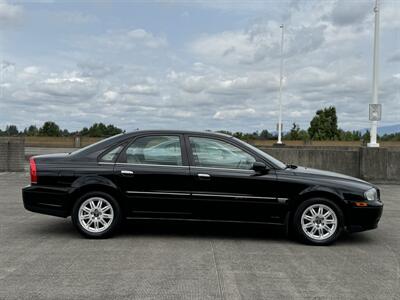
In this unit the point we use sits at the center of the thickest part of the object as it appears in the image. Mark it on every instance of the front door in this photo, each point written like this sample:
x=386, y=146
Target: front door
x=225, y=186
x=154, y=176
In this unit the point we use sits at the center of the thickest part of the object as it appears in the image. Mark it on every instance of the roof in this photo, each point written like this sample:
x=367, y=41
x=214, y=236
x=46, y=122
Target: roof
x=165, y=131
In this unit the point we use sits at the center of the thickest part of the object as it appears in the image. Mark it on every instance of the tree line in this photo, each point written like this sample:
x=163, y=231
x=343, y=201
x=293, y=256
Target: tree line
x=323, y=126
x=50, y=128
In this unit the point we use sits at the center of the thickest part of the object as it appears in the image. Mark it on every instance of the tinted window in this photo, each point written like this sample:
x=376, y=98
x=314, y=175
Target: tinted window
x=271, y=159
x=218, y=154
x=156, y=150
x=111, y=155
x=93, y=146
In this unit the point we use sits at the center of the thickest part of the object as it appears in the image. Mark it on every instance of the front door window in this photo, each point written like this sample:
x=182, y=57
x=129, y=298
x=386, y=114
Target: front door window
x=214, y=153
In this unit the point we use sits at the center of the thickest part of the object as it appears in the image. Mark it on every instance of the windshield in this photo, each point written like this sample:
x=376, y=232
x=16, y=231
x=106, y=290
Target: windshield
x=95, y=144
x=268, y=157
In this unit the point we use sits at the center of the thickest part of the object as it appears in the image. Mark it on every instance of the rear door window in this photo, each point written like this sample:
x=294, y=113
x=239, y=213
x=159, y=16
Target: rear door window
x=155, y=150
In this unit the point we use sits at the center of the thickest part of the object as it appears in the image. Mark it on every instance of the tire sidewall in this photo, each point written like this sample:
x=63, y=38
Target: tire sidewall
x=298, y=227
x=110, y=230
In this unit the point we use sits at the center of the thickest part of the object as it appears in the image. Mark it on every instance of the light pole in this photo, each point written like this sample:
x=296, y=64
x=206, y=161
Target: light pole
x=280, y=92
x=375, y=79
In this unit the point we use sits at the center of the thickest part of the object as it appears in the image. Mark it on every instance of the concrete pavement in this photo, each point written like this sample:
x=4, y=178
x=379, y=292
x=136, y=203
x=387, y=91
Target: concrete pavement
x=43, y=257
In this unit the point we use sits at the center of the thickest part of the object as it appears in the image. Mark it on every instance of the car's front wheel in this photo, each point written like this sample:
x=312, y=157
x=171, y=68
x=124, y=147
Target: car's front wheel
x=318, y=221
x=96, y=215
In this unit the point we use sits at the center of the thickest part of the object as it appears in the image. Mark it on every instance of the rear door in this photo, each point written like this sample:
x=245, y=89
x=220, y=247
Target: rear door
x=226, y=187
x=153, y=174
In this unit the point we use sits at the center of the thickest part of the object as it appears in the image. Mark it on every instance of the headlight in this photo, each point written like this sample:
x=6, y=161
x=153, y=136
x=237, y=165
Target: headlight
x=371, y=195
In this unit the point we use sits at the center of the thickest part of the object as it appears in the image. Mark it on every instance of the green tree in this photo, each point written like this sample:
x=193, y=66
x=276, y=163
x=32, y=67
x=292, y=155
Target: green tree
x=294, y=133
x=303, y=135
x=112, y=130
x=225, y=132
x=100, y=130
x=366, y=137
x=349, y=135
x=266, y=135
x=238, y=135
x=50, y=128
x=11, y=130
x=84, y=131
x=65, y=132
x=391, y=137
x=31, y=131
x=324, y=125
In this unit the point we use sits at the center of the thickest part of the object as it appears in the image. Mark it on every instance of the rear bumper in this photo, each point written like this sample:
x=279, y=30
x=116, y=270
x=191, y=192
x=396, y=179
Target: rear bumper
x=364, y=218
x=47, y=200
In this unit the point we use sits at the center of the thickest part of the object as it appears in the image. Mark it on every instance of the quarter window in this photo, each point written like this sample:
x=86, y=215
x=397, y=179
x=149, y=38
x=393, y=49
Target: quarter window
x=111, y=155
x=155, y=150
x=218, y=154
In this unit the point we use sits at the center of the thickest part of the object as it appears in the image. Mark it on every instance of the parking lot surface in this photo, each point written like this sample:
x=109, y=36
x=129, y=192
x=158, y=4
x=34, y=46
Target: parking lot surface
x=43, y=257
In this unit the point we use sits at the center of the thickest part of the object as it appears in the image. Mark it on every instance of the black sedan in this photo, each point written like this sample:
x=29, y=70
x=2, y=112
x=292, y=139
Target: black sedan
x=196, y=176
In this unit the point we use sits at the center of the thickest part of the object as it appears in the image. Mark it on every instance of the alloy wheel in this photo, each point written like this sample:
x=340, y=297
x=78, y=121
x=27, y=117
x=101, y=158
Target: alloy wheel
x=319, y=222
x=96, y=214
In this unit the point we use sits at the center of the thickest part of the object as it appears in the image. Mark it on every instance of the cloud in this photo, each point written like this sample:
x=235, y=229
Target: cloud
x=7, y=66
x=234, y=113
x=243, y=47
x=123, y=40
x=66, y=85
x=259, y=43
x=73, y=17
x=210, y=75
x=395, y=57
x=10, y=14
x=389, y=14
x=141, y=89
x=347, y=13
x=100, y=69
x=222, y=83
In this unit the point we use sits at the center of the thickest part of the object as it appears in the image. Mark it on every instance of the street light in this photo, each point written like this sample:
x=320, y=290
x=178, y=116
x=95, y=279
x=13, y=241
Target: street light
x=374, y=107
x=280, y=92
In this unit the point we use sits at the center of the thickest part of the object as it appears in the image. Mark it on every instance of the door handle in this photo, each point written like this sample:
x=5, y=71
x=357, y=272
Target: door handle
x=203, y=176
x=127, y=173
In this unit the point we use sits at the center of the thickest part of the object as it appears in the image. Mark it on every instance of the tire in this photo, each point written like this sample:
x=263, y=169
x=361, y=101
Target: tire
x=96, y=208
x=316, y=228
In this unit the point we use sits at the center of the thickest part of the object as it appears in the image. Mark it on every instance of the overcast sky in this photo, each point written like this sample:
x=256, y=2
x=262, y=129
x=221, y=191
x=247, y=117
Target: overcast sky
x=194, y=65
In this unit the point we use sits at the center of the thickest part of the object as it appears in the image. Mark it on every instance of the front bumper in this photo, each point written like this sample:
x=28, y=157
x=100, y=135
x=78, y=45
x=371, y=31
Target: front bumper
x=47, y=200
x=364, y=218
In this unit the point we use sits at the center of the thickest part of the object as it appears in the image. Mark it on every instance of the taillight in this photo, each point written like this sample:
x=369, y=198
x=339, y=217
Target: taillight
x=33, y=170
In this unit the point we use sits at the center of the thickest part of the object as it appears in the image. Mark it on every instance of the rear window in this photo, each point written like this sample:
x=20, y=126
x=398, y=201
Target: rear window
x=94, y=145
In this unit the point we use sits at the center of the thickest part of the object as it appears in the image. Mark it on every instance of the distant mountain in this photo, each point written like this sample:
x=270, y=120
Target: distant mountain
x=385, y=129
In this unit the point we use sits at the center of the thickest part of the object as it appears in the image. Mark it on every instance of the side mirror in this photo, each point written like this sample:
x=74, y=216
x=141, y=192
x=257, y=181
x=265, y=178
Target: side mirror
x=260, y=167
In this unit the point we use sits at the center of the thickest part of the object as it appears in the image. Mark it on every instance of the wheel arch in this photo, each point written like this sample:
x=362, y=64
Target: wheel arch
x=89, y=184
x=316, y=192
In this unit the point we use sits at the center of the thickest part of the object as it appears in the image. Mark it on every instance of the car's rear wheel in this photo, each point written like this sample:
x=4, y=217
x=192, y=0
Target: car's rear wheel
x=96, y=215
x=318, y=221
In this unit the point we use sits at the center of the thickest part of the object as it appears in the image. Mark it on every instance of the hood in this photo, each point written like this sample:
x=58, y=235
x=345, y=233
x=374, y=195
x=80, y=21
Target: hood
x=331, y=177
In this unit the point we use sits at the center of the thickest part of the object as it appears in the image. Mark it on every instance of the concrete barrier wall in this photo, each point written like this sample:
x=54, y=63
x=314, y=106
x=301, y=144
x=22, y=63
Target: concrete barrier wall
x=375, y=164
x=323, y=144
x=59, y=142
x=342, y=161
x=12, y=154
x=3, y=156
x=76, y=142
